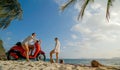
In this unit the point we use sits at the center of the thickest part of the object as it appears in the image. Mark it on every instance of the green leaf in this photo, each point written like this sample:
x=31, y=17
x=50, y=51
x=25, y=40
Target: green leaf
x=9, y=11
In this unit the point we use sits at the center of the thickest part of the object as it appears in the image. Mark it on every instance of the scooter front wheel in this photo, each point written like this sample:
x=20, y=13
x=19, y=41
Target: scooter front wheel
x=41, y=57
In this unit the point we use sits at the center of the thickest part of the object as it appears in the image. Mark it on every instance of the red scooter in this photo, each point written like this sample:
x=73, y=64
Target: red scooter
x=17, y=52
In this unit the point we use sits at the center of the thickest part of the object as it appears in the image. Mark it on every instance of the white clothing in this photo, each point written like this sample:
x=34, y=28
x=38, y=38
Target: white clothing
x=28, y=40
x=57, y=47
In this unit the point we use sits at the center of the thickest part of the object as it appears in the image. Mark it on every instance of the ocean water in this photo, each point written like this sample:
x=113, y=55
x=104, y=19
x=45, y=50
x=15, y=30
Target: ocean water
x=110, y=62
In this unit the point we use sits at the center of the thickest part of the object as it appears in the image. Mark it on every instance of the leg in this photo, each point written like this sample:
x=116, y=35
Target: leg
x=31, y=48
x=26, y=51
x=57, y=57
x=52, y=52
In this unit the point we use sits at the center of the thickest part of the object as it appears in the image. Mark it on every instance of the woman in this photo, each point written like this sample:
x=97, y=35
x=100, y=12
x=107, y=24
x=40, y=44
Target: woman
x=56, y=50
x=25, y=44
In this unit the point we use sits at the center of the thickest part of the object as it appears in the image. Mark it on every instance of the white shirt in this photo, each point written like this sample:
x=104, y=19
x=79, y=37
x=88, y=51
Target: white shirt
x=57, y=47
x=29, y=39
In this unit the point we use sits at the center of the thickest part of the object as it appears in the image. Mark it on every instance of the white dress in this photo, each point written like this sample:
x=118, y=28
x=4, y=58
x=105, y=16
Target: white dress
x=57, y=47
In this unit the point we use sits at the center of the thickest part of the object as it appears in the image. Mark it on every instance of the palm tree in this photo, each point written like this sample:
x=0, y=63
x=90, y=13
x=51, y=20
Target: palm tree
x=2, y=51
x=9, y=10
x=84, y=5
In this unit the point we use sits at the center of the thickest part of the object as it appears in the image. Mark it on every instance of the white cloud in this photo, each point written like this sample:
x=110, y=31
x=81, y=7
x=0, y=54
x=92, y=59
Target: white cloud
x=94, y=36
x=8, y=39
x=98, y=36
x=60, y=2
x=9, y=33
x=74, y=36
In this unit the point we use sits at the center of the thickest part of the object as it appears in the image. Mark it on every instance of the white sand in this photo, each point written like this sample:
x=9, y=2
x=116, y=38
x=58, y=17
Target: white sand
x=40, y=65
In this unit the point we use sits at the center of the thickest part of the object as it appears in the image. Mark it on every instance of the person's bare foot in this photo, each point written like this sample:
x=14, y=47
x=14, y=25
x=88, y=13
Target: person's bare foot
x=27, y=60
x=52, y=61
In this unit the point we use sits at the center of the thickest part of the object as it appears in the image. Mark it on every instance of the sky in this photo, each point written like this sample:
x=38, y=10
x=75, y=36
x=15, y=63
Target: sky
x=91, y=37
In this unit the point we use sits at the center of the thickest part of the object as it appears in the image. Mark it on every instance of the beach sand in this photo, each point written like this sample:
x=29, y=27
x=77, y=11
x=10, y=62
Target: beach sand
x=40, y=65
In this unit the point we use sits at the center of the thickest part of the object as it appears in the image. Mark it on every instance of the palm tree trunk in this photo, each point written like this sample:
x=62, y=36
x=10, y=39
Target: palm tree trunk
x=2, y=51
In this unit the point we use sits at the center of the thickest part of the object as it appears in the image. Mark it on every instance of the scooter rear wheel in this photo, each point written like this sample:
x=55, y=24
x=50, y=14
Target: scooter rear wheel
x=10, y=57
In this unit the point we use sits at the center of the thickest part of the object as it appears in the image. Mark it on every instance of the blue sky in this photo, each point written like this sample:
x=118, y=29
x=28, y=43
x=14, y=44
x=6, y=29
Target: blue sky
x=42, y=17
x=92, y=37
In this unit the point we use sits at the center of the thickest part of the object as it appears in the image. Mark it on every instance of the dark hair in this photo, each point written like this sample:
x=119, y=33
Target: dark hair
x=56, y=38
x=18, y=44
x=33, y=33
x=61, y=61
x=37, y=41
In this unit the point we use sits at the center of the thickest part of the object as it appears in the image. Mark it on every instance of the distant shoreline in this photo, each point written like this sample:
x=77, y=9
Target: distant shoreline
x=113, y=62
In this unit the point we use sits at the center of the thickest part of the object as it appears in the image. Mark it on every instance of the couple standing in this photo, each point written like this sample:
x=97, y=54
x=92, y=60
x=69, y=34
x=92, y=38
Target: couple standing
x=26, y=45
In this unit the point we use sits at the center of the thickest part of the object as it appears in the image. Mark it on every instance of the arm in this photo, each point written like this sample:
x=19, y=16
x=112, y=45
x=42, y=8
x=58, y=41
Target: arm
x=55, y=46
x=34, y=39
x=40, y=41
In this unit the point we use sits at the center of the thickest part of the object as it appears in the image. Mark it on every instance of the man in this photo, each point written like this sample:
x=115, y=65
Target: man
x=25, y=44
x=56, y=50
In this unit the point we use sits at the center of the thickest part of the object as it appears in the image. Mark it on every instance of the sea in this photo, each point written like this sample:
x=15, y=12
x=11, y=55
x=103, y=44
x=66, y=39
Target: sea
x=109, y=62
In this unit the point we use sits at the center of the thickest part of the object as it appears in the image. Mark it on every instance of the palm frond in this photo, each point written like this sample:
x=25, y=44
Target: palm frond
x=109, y=3
x=9, y=10
x=81, y=14
x=92, y=0
x=63, y=7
